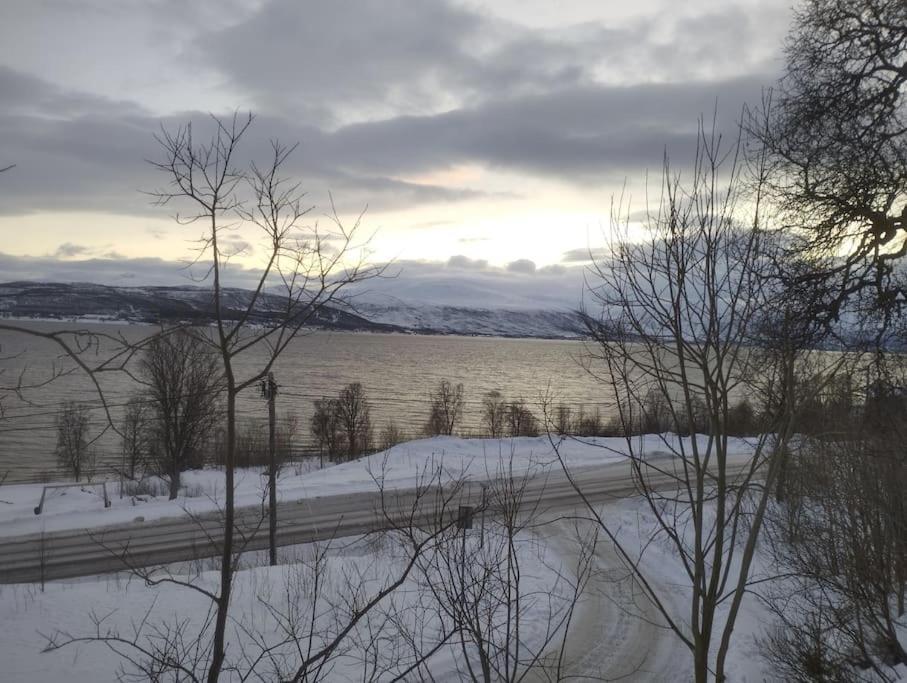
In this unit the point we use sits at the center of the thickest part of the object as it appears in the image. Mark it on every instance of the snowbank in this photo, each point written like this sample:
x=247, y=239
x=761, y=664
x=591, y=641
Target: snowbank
x=402, y=466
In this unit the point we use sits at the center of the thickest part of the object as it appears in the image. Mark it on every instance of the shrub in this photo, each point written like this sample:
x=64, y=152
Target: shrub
x=520, y=421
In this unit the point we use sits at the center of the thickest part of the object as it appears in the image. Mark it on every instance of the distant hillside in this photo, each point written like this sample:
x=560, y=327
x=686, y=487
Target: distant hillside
x=154, y=304
x=427, y=319
x=66, y=301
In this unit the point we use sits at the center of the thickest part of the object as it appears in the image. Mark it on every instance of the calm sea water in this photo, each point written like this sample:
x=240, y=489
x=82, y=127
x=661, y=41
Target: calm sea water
x=396, y=371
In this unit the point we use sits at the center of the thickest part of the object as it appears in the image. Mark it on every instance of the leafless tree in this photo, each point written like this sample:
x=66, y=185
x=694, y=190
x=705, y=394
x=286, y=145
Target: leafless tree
x=834, y=133
x=92, y=354
x=486, y=598
x=287, y=436
x=298, y=275
x=317, y=617
x=446, y=406
x=135, y=436
x=73, y=449
x=563, y=419
x=840, y=539
x=353, y=418
x=493, y=411
x=519, y=420
x=325, y=427
x=391, y=434
x=184, y=382
x=674, y=314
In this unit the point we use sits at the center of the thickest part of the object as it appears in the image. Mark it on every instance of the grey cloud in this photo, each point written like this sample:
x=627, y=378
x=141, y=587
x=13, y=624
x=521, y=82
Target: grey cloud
x=579, y=134
x=335, y=62
x=380, y=57
x=555, y=269
x=584, y=255
x=234, y=246
x=72, y=151
x=428, y=282
x=642, y=215
x=25, y=95
x=114, y=271
x=464, y=262
x=79, y=152
x=522, y=265
x=68, y=249
x=351, y=52
x=436, y=283
x=70, y=158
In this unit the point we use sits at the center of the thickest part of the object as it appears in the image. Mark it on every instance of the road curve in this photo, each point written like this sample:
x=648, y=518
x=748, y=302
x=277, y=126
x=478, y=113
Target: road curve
x=73, y=553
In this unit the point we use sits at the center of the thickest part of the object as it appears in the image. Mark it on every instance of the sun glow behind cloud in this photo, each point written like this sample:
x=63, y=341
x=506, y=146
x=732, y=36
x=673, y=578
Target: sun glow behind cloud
x=496, y=131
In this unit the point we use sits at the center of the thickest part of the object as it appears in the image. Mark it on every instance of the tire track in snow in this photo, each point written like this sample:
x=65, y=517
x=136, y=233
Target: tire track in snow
x=615, y=633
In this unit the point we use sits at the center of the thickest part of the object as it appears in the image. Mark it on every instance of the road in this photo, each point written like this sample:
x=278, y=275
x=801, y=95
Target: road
x=616, y=633
x=69, y=554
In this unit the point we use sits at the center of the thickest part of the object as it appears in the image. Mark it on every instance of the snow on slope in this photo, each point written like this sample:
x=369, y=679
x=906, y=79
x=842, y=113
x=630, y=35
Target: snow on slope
x=403, y=466
x=475, y=321
x=260, y=598
x=475, y=299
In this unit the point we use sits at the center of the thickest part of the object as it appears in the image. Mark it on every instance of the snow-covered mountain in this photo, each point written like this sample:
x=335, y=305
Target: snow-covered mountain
x=102, y=303
x=428, y=319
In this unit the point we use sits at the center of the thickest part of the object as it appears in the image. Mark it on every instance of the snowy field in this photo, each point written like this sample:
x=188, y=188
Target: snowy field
x=269, y=604
x=613, y=632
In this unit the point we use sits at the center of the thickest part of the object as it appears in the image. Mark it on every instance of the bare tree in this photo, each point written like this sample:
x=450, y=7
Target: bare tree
x=314, y=617
x=325, y=427
x=563, y=420
x=92, y=354
x=298, y=276
x=840, y=539
x=674, y=315
x=73, y=449
x=287, y=436
x=391, y=434
x=135, y=441
x=493, y=411
x=446, y=406
x=519, y=420
x=834, y=132
x=183, y=382
x=353, y=418
x=487, y=599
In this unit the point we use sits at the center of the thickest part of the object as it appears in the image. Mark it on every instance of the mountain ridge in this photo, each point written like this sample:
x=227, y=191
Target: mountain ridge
x=193, y=303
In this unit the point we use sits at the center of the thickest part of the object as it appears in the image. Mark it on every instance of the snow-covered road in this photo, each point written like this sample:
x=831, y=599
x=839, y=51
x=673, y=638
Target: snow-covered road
x=616, y=634
x=352, y=504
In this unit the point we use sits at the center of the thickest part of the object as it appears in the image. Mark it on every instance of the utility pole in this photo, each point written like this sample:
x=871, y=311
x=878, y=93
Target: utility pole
x=269, y=393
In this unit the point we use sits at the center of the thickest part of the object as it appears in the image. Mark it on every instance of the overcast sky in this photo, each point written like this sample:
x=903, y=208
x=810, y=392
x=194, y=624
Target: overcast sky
x=486, y=134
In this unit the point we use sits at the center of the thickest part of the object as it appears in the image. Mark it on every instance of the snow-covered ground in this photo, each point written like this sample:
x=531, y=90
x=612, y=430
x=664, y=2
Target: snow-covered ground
x=613, y=632
x=400, y=467
x=270, y=602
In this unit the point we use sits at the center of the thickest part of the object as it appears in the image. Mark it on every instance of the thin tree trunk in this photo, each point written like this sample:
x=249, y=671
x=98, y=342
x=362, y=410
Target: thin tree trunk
x=226, y=566
x=174, y=482
x=701, y=661
x=272, y=471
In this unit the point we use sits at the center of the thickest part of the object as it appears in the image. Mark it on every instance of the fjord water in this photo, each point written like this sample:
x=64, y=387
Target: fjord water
x=397, y=372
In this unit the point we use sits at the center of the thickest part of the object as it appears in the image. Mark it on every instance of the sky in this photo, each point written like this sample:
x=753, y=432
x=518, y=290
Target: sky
x=482, y=139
